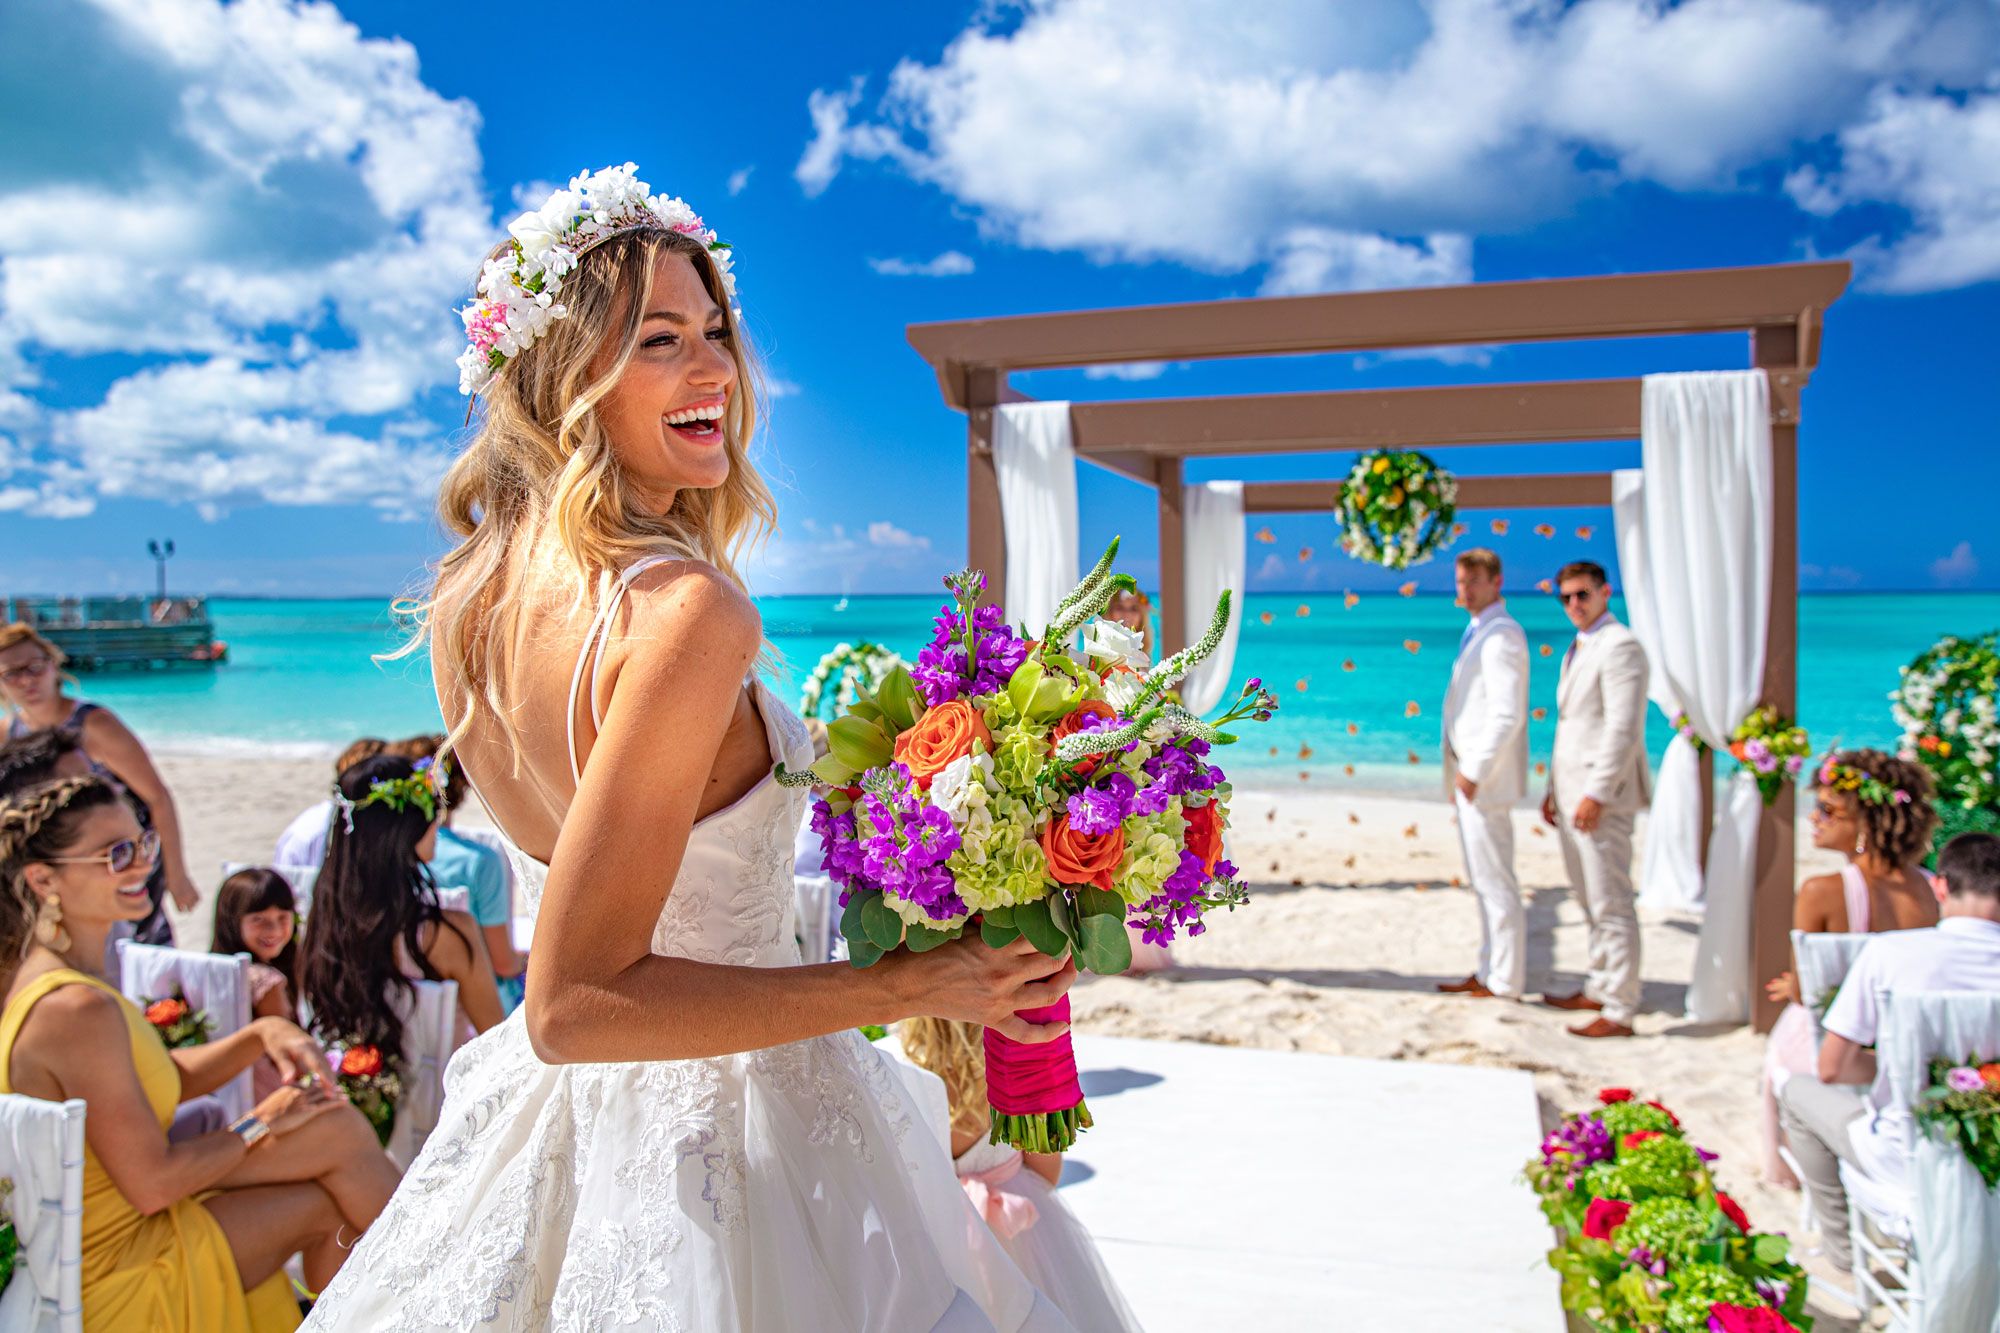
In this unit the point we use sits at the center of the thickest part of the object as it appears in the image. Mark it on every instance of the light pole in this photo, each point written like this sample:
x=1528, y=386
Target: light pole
x=161, y=553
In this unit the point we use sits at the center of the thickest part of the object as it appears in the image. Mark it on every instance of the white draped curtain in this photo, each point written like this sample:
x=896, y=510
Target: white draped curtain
x=1670, y=879
x=1705, y=512
x=1212, y=560
x=1034, y=459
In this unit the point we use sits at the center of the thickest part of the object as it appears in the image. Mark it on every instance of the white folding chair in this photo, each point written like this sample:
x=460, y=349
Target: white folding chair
x=430, y=1035
x=1937, y=1216
x=521, y=926
x=455, y=900
x=1823, y=960
x=217, y=983
x=41, y=1152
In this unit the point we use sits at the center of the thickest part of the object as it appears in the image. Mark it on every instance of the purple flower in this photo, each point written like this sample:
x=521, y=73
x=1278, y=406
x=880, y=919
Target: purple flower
x=1706, y=1155
x=1795, y=765
x=1578, y=1142
x=1095, y=810
x=904, y=853
x=1964, y=1078
x=940, y=672
x=1177, y=769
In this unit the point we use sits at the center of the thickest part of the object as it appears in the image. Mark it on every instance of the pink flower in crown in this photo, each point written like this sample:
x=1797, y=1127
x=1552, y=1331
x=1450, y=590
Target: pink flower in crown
x=484, y=325
x=692, y=227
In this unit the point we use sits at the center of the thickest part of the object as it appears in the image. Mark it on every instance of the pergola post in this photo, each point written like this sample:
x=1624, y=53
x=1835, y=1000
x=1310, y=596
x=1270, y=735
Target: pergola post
x=1777, y=350
x=1173, y=564
x=985, y=536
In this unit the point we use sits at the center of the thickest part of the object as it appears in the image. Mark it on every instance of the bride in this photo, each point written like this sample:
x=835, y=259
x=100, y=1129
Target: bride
x=681, y=1129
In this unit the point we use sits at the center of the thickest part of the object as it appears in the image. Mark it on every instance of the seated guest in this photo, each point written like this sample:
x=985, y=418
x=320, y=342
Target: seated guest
x=256, y=914
x=1876, y=811
x=376, y=925
x=186, y=1237
x=32, y=684
x=1845, y=1114
x=303, y=843
x=461, y=863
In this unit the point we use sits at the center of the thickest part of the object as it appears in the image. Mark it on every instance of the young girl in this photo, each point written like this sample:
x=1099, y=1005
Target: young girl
x=256, y=914
x=32, y=685
x=1015, y=1191
x=376, y=925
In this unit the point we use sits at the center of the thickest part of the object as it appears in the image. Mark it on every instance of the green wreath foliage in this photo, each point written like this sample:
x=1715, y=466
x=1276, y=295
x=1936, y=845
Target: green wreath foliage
x=1396, y=509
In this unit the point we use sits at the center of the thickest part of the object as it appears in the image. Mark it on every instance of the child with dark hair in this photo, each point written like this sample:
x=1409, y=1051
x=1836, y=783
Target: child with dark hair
x=376, y=925
x=256, y=914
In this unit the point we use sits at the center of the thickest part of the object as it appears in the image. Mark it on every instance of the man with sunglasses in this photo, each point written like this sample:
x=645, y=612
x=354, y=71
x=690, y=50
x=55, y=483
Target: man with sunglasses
x=1598, y=783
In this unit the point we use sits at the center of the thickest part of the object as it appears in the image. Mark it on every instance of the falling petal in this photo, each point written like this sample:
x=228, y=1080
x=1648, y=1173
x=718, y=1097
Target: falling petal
x=1414, y=759
x=1266, y=536
x=1351, y=599
x=1535, y=830
x=1298, y=883
x=1545, y=586
x=1271, y=815
x=1274, y=749
x=1305, y=553
x=1411, y=709
x=1303, y=610
x=1413, y=645
x=1274, y=867
x=1585, y=534
x=1350, y=863
x=1545, y=530
x=1305, y=752
x=1458, y=529
x=1347, y=665
x=1353, y=818
x=1354, y=728
x=1540, y=769
x=1410, y=832
x=1539, y=714
x=1548, y=651
x=1304, y=776
x=1265, y=617
x=1408, y=589
x=1348, y=769
x=1457, y=883
x=1303, y=682
x=1500, y=527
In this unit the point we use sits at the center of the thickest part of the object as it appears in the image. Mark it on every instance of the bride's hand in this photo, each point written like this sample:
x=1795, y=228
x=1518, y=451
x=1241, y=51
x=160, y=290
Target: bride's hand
x=973, y=983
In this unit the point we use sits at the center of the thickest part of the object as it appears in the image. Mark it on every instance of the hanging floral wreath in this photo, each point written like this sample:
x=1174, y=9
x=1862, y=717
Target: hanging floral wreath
x=858, y=665
x=1771, y=748
x=1396, y=509
x=1945, y=705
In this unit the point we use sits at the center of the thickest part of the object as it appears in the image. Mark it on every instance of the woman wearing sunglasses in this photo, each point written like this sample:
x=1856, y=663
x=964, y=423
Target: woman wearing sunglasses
x=186, y=1237
x=32, y=685
x=1875, y=810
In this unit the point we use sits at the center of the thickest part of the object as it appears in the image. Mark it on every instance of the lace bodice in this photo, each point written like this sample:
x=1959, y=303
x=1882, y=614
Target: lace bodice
x=733, y=900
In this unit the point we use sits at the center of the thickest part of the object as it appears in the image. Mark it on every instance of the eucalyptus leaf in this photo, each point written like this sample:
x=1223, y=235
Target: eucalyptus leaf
x=884, y=928
x=1033, y=920
x=997, y=936
x=1105, y=947
x=1099, y=902
x=850, y=916
x=922, y=939
x=1059, y=913
x=999, y=916
x=860, y=953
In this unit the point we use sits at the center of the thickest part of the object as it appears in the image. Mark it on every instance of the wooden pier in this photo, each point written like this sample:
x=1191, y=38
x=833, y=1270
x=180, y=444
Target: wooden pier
x=100, y=633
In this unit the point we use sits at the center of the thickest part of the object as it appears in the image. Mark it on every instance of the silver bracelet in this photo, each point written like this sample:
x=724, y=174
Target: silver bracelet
x=251, y=1129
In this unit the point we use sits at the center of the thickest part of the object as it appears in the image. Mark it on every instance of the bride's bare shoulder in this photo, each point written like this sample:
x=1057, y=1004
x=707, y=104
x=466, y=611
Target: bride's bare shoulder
x=678, y=599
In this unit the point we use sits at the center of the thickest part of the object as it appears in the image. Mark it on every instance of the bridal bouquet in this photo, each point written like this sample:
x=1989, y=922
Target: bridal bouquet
x=1022, y=787
x=371, y=1086
x=179, y=1024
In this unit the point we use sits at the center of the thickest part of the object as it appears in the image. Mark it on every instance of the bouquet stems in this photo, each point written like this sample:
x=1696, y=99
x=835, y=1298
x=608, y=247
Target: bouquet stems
x=1032, y=1092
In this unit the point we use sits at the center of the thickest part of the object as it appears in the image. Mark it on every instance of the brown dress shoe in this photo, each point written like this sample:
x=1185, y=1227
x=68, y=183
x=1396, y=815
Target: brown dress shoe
x=1576, y=1001
x=1464, y=987
x=1601, y=1027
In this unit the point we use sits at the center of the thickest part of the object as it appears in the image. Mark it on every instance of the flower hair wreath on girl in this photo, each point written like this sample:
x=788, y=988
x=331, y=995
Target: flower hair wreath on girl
x=424, y=789
x=1858, y=782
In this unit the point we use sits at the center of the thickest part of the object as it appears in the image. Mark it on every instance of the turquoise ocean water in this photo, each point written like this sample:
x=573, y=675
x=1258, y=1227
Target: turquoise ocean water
x=301, y=676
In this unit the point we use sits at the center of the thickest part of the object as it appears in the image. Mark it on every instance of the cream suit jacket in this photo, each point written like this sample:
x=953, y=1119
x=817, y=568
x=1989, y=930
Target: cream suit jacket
x=1601, y=723
x=1486, y=711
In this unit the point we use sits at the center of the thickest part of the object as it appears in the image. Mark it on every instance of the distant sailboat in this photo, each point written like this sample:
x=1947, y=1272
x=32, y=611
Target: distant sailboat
x=840, y=605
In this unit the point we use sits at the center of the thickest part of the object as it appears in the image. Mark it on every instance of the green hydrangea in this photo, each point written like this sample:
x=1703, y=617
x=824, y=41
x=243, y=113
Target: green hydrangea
x=1698, y=1286
x=1020, y=752
x=1152, y=852
x=1623, y=1118
x=1002, y=863
x=1657, y=1167
x=1670, y=1229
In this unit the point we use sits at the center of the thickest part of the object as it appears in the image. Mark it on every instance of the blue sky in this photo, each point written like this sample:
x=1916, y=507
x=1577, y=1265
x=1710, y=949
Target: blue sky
x=226, y=291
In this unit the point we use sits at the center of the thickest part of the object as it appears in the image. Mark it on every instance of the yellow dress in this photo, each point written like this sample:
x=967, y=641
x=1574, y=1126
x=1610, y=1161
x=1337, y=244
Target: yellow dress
x=169, y=1273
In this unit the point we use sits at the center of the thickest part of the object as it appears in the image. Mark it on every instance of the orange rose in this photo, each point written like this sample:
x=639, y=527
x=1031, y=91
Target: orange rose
x=1991, y=1073
x=1070, y=724
x=1204, y=835
x=166, y=1013
x=943, y=734
x=1082, y=858
x=361, y=1061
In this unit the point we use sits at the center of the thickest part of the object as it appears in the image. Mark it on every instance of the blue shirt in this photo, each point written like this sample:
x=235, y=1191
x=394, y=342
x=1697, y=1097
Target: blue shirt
x=461, y=863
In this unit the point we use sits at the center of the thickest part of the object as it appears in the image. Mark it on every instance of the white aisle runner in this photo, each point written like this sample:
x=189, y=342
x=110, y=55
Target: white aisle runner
x=1271, y=1191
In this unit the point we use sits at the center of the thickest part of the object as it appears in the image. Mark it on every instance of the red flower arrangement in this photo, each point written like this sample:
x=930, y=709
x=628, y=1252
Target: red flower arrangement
x=1611, y=1095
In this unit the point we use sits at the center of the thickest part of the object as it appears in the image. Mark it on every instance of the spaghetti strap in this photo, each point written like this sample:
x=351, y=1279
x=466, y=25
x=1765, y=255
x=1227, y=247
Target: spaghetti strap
x=601, y=625
x=1854, y=885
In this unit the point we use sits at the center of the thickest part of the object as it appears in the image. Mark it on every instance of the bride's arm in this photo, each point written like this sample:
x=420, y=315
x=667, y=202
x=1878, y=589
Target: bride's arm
x=599, y=993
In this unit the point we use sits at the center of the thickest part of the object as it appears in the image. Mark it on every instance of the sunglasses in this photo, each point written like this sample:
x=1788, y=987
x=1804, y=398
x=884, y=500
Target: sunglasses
x=27, y=671
x=1580, y=595
x=1825, y=811
x=121, y=856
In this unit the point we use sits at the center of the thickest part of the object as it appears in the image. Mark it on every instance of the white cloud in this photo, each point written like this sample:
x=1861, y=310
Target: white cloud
x=887, y=536
x=268, y=214
x=1127, y=370
x=1273, y=570
x=817, y=557
x=777, y=386
x=950, y=264
x=1958, y=568
x=739, y=180
x=1318, y=140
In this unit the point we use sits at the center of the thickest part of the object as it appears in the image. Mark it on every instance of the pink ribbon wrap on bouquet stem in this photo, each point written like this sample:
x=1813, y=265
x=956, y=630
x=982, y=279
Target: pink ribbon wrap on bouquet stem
x=1032, y=1089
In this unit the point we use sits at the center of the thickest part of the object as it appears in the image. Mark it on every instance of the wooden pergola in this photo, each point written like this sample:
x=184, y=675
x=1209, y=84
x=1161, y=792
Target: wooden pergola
x=1781, y=307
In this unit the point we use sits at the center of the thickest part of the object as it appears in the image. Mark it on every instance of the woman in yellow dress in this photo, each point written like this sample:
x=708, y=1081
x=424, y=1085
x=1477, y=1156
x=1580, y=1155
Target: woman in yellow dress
x=187, y=1237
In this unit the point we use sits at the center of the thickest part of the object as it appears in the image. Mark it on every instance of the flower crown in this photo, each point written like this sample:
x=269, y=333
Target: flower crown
x=1866, y=787
x=425, y=789
x=517, y=291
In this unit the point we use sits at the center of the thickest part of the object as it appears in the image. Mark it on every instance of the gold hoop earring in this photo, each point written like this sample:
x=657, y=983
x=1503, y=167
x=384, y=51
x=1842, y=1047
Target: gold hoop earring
x=49, y=930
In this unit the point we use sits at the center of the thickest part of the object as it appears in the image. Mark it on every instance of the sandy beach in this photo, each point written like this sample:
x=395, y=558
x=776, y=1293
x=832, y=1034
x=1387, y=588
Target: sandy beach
x=1354, y=918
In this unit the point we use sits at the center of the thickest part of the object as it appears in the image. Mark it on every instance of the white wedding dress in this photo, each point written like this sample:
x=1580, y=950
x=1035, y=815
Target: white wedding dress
x=791, y=1188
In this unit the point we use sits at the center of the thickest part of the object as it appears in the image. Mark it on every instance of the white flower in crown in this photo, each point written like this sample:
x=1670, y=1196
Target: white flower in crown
x=518, y=291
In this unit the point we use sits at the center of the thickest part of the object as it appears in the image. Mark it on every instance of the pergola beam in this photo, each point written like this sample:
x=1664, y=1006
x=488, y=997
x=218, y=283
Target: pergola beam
x=1567, y=490
x=1621, y=305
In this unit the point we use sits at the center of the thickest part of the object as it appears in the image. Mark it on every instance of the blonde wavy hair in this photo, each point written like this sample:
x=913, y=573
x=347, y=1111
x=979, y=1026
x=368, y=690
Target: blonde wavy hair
x=20, y=632
x=542, y=461
x=956, y=1053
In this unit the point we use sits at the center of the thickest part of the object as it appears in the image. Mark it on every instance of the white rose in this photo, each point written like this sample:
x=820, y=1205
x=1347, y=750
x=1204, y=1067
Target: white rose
x=1107, y=639
x=961, y=786
x=1121, y=690
x=538, y=230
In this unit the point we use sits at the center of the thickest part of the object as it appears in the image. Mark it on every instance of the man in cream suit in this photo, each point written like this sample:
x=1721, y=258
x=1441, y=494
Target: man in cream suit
x=1597, y=785
x=1486, y=770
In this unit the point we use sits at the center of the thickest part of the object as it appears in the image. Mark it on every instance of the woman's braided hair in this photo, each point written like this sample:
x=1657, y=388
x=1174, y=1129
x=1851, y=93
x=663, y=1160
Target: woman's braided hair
x=36, y=824
x=1897, y=830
